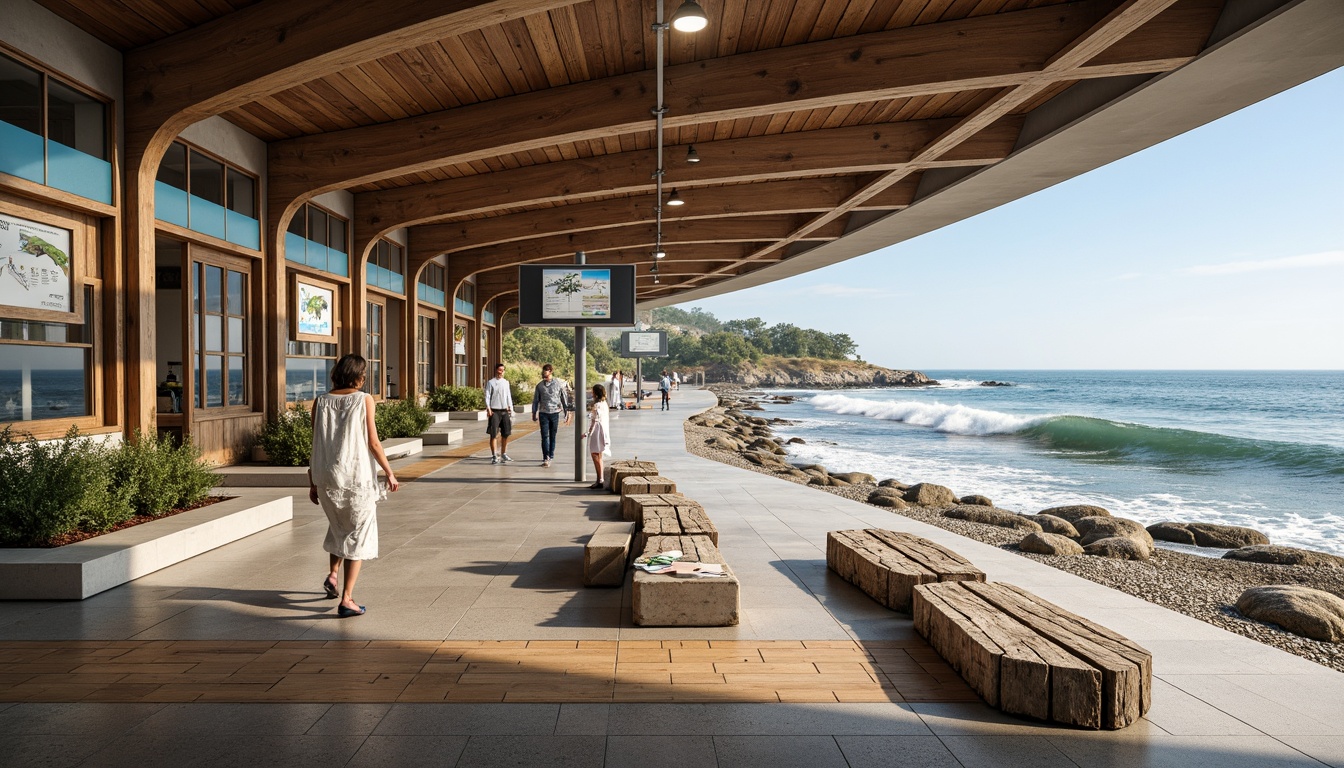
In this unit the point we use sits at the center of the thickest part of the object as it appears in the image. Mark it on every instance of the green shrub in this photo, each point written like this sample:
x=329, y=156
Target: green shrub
x=522, y=393
x=288, y=440
x=157, y=475
x=54, y=488
x=446, y=398
x=401, y=418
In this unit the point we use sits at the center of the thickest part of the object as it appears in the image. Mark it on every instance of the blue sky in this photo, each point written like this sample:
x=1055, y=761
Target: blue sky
x=1220, y=248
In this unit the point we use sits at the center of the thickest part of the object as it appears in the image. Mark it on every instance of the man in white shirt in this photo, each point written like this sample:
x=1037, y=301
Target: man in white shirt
x=499, y=414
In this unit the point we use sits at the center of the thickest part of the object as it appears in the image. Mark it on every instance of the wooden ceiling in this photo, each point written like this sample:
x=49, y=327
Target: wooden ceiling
x=529, y=135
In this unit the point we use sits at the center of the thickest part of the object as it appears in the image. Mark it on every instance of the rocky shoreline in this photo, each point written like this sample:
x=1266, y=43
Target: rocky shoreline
x=810, y=373
x=1201, y=587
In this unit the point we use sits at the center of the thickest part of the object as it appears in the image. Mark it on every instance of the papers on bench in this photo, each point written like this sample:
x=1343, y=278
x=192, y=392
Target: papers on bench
x=669, y=564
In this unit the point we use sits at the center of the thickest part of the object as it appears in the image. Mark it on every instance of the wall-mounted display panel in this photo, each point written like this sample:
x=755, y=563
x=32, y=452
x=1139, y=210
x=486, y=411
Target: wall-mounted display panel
x=589, y=295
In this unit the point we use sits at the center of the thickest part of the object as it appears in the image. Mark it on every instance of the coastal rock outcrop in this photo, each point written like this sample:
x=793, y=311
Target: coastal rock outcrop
x=1276, y=555
x=1052, y=524
x=1074, y=512
x=976, y=500
x=930, y=495
x=1119, y=548
x=1097, y=528
x=854, y=478
x=1049, y=544
x=814, y=374
x=1208, y=535
x=1300, y=610
x=992, y=516
x=892, y=482
x=887, y=500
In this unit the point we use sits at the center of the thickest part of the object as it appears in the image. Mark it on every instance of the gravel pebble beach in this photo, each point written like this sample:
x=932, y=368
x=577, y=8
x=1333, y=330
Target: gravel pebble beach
x=1201, y=587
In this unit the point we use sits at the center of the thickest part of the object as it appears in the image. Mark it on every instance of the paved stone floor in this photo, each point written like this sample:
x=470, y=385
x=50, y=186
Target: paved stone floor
x=234, y=658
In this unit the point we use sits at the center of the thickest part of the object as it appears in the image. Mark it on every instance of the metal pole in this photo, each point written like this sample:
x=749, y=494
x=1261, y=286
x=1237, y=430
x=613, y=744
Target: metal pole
x=580, y=391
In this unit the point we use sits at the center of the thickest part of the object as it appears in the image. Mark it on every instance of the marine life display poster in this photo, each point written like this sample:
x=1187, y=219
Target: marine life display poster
x=34, y=265
x=315, y=310
x=575, y=293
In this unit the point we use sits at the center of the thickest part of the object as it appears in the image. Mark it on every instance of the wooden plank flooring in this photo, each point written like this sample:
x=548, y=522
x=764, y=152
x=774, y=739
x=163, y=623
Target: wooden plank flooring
x=476, y=671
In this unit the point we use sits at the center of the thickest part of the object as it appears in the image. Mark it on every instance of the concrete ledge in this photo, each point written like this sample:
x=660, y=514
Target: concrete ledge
x=439, y=435
x=86, y=568
x=466, y=415
x=400, y=447
x=264, y=476
x=439, y=417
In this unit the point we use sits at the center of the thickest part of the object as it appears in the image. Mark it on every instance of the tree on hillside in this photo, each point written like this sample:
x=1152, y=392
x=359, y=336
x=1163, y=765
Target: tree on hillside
x=696, y=318
x=755, y=331
x=727, y=349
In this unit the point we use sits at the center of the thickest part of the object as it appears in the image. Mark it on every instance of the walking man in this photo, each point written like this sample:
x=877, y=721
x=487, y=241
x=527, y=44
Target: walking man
x=550, y=398
x=499, y=411
x=665, y=387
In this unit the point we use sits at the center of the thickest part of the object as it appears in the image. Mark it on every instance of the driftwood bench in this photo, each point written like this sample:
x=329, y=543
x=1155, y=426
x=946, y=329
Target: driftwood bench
x=644, y=485
x=606, y=553
x=660, y=600
x=887, y=565
x=617, y=471
x=1029, y=657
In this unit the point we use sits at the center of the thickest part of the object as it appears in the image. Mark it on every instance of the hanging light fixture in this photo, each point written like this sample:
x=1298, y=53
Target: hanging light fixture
x=675, y=199
x=691, y=155
x=690, y=17
x=659, y=253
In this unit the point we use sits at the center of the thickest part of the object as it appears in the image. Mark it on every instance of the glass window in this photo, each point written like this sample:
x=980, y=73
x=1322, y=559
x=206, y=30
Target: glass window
x=298, y=224
x=424, y=353
x=207, y=179
x=40, y=382
x=173, y=169
x=76, y=120
x=242, y=193
x=336, y=238
x=308, y=370
x=317, y=225
x=219, y=326
x=20, y=96
x=373, y=348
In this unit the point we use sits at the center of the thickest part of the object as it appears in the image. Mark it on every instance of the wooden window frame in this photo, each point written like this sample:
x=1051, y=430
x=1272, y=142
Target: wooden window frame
x=195, y=254
x=378, y=373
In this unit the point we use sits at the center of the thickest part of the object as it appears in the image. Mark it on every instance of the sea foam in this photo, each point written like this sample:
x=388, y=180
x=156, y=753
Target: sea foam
x=953, y=419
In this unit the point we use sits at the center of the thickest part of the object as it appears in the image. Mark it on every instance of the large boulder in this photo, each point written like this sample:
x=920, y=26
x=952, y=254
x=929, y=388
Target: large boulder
x=992, y=516
x=1074, y=512
x=814, y=469
x=1275, y=555
x=855, y=478
x=892, y=482
x=1119, y=548
x=1226, y=536
x=1178, y=533
x=890, y=502
x=1057, y=525
x=976, y=500
x=1049, y=544
x=1300, y=610
x=795, y=473
x=770, y=446
x=930, y=495
x=1097, y=528
x=724, y=443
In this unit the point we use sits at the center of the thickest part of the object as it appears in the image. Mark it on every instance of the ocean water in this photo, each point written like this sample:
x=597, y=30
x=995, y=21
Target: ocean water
x=1260, y=449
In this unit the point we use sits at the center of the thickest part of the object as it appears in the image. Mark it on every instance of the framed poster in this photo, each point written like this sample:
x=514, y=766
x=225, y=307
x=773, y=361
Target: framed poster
x=37, y=264
x=644, y=344
x=314, y=310
x=459, y=339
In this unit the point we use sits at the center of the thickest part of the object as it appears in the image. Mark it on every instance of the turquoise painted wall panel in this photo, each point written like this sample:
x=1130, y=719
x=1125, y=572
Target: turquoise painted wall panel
x=170, y=204
x=206, y=217
x=21, y=153
x=77, y=173
x=242, y=230
x=296, y=248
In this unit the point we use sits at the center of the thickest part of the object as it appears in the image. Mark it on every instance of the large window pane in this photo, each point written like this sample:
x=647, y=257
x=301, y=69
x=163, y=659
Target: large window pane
x=214, y=381
x=214, y=279
x=207, y=179
x=236, y=336
x=306, y=377
x=76, y=120
x=43, y=382
x=237, y=298
x=317, y=225
x=214, y=333
x=20, y=96
x=298, y=224
x=173, y=169
x=337, y=239
x=242, y=193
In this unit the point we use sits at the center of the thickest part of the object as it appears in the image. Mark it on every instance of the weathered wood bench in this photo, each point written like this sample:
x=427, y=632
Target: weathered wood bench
x=684, y=518
x=1029, y=657
x=606, y=553
x=631, y=486
x=617, y=471
x=660, y=600
x=887, y=565
x=632, y=504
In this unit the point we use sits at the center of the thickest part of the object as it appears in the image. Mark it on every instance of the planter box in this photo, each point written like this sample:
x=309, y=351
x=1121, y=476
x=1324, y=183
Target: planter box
x=466, y=415
x=84, y=569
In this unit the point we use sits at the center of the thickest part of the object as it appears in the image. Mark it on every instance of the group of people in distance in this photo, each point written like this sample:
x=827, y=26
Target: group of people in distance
x=347, y=454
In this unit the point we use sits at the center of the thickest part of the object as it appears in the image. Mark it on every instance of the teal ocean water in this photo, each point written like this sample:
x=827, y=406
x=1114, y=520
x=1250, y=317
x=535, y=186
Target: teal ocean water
x=1261, y=449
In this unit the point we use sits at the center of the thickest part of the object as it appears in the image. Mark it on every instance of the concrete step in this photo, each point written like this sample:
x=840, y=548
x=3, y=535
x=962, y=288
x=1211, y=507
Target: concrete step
x=400, y=447
x=441, y=435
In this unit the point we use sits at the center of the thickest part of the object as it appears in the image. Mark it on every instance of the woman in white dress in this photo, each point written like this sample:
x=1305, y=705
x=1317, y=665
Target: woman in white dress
x=599, y=434
x=343, y=477
x=614, y=391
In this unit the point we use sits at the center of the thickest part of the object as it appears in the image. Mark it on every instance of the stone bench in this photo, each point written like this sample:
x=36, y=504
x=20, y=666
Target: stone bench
x=887, y=565
x=632, y=486
x=617, y=471
x=681, y=518
x=660, y=600
x=606, y=553
x=1029, y=657
x=633, y=504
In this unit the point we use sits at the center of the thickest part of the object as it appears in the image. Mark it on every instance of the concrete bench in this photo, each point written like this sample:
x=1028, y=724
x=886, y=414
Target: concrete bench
x=1029, y=657
x=661, y=600
x=606, y=553
x=632, y=505
x=680, y=518
x=631, y=486
x=617, y=471
x=887, y=565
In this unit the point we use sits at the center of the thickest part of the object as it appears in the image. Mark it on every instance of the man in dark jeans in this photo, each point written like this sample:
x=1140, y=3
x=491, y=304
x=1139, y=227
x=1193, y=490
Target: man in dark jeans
x=550, y=398
x=665, y=387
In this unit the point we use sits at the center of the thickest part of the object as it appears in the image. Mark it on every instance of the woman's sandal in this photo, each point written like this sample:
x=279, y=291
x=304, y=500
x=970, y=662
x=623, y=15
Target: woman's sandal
x=346, y=613
x=330, y=587
x=595, y=487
